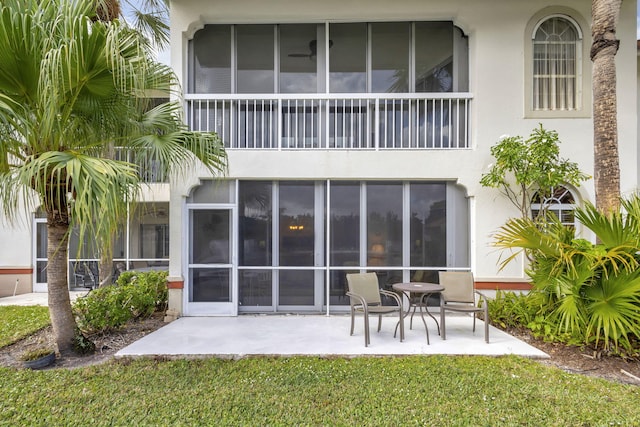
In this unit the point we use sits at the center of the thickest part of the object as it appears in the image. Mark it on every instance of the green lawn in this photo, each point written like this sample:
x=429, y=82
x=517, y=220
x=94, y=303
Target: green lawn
x=438, y=390
x=434, y=390
x=17, y=322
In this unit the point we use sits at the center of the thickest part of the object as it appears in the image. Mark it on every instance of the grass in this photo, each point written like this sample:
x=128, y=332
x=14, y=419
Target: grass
x=434, y=390
x=417, y=390
x=18, y=322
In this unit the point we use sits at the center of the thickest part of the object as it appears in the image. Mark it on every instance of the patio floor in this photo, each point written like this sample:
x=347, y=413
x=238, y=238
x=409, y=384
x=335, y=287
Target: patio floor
x=319, y=335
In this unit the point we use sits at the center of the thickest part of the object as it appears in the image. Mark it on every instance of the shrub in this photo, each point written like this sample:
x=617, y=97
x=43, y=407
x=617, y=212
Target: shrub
x=583, y=291
x=135, y=295
x=510, y=310
x=154, y=284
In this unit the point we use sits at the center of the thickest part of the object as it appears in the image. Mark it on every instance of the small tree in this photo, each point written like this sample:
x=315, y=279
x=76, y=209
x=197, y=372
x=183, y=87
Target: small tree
x=526, y=167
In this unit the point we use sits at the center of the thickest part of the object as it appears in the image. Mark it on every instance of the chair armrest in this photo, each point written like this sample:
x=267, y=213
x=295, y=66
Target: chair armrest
x=482, y=296
x=393, y=295
x=363, y=302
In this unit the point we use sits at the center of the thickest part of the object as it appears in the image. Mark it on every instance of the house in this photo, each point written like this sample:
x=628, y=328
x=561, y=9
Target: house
x=357, y=132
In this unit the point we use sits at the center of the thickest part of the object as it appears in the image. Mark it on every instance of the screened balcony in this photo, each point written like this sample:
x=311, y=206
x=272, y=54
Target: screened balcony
x=383, y=85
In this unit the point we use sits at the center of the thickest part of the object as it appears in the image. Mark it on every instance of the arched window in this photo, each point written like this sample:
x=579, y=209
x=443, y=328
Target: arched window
x=557, y=46
x=560, y=203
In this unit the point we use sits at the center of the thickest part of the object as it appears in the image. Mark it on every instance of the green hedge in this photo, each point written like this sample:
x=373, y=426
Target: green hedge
x=135, y=295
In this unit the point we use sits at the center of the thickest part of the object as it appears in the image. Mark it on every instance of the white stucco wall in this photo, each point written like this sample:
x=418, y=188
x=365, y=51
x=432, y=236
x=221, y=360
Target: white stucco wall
x=496, y=31
x=496, y=34
x=16, y=254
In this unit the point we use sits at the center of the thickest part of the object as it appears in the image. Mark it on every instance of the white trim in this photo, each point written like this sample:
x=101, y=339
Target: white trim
x=557, y=15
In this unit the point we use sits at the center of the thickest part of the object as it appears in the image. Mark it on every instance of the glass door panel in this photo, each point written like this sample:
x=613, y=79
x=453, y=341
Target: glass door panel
x=348, y=58
x=211, y=56
x=428, y=227
x=384, y=231
x=210, y=289
x=390, y=43
x=40, y=283
x=255, y=64
x=297, y=231
x=296, y=288
x=299, y=49
x=255, y=289
x=345, y=237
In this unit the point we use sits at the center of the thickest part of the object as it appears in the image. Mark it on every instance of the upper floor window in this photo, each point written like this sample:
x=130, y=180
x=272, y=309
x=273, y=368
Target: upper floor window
x=557, y=48
x=396, y=57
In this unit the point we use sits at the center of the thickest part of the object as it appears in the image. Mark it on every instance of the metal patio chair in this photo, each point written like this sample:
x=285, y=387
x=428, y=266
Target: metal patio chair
x=459, y=296
x=365, y=297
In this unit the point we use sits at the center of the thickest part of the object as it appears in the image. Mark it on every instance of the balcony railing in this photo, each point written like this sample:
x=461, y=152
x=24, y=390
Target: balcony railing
x=330, y=121
x=148, y=167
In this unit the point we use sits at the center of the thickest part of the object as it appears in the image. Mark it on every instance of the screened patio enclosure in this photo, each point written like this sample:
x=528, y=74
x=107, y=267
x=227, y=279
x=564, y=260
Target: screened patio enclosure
x=141, y=244
x=286, y=246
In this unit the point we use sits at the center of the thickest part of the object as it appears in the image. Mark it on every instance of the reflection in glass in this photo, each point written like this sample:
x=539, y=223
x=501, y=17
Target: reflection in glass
x=428, y=227
x=297, y=223
x=434, y=56
x=41, y=272
x=149, y=238
x=348, y=58
x=255, y=58
x=83, y=274
x=255, y=223
x=390, y=43
x=255, y=288
x=296, y=287
x=298, y=58
x=210, y=237
x=345, y=224
x=41, y=241
x=211, y=48
x=338, y=286
x=384, y=224
x=210, y=285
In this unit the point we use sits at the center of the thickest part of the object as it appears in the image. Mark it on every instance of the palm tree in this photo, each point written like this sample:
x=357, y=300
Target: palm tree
x=149, y=17
x=605, y=14
x=150, y=20
x=71, y=85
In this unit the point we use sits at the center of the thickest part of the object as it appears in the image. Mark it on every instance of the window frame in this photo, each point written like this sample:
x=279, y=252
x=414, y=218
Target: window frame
x=583, y=70
x=556, y=203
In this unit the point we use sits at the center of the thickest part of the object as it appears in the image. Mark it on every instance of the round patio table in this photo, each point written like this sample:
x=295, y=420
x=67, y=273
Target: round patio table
x=423, y=289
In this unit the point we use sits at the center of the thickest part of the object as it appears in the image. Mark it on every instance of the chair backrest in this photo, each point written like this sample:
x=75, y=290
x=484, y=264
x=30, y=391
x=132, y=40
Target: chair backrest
x=366, y=285
x=458, y=286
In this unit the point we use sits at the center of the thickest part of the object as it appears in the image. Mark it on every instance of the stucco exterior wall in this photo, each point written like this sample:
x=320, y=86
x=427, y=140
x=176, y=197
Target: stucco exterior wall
x=16, y=255
x=497, y=38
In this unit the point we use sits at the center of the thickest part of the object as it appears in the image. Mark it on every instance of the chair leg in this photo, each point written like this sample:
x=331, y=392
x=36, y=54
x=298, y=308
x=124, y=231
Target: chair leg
x=366, y=330
x=486, y=323
x=443, y=328
x=474, y=321
x=379, y=322
x=352, y=320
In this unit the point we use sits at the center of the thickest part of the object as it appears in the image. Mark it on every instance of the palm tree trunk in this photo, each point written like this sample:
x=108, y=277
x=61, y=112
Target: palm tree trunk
x=105, y=268
x=605, y=14
x=64, y=325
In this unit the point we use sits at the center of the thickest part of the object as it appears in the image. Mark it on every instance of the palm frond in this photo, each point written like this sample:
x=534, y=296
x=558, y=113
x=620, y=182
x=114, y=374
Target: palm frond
x=612, y=229
x=613, y=309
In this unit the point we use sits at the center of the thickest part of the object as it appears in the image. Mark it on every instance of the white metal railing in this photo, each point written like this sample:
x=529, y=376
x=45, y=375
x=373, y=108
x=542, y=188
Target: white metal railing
x=148, y=167
x=334, y=121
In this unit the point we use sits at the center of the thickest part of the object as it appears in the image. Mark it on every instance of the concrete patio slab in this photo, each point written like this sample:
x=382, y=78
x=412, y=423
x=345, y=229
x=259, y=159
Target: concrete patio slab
x=36, y=298
x=318, y=335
